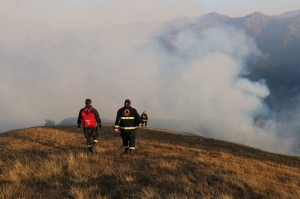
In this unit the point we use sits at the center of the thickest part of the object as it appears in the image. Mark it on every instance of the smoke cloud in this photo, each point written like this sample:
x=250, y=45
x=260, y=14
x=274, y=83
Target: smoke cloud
x=198, y=86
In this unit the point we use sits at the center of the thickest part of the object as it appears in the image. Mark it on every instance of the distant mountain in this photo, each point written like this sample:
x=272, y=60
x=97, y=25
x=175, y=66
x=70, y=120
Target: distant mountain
x=254, y=24
x=276, y=36
x=178, y=24
x=289, y=14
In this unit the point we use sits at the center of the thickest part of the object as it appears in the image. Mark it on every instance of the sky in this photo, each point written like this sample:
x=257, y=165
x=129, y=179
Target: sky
x=55, y=54
x=235, y=8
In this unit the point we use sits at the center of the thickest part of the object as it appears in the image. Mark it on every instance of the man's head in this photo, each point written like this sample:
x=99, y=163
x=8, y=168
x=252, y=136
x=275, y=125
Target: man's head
x=88, y=102
x=127, y=102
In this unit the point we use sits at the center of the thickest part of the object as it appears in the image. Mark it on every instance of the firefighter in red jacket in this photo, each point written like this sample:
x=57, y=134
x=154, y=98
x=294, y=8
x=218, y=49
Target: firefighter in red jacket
x=144, y=118
x=127, y=121
x=90, y=120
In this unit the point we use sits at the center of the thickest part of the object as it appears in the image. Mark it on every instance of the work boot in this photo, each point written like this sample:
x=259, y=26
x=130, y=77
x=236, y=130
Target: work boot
x=126, y=151
x=131, y=152
x=91, y=150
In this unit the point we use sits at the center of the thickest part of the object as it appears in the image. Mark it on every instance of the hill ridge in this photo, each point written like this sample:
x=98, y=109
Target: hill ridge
x=52, y=162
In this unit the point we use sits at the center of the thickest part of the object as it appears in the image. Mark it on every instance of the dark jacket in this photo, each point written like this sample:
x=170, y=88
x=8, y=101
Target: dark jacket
x=94, y=111
x=127, y=119
x=144, y=117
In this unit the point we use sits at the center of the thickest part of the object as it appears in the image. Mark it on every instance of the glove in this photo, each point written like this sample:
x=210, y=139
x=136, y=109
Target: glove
x=100, y=125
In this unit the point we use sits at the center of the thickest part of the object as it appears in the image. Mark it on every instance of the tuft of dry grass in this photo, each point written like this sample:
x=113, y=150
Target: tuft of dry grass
x=53, y=162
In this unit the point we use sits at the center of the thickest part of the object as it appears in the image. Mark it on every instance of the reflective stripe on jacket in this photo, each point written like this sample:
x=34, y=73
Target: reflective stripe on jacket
x=127, y=118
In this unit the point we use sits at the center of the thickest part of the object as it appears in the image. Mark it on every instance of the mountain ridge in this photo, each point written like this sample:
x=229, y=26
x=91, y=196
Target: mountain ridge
x=289, y=14
x=278, y=38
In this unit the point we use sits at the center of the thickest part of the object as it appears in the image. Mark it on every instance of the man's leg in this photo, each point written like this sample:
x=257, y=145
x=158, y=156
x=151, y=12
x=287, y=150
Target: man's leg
x=95, y=135
x=89, y=138
x=146, y=124
x=123, y=135
x=131, y=142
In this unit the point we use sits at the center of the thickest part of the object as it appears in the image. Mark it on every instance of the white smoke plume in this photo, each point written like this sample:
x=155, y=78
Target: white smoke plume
x=203, y=85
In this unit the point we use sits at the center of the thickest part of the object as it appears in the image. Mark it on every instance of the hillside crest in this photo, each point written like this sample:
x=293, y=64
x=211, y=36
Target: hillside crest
x=52, y=162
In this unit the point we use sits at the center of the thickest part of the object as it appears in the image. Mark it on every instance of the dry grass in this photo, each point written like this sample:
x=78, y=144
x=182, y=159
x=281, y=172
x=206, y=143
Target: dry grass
x=52, y=162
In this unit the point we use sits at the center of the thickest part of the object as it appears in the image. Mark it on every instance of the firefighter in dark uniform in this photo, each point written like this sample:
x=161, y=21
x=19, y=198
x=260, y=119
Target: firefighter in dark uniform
x=127, y=121
x=90, y=120
x=144, y=118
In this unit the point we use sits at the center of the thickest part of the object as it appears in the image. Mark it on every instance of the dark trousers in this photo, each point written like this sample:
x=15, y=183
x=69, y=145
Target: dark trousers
x=92, y=136
x=144, y=122
x=128, y=138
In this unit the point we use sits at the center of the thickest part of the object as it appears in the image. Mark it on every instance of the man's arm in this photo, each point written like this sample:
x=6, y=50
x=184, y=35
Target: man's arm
x=117, y=122
x=97, y=117
x=79, y=120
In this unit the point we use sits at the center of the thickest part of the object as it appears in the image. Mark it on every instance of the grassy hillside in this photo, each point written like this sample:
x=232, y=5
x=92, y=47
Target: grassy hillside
x=52, y=162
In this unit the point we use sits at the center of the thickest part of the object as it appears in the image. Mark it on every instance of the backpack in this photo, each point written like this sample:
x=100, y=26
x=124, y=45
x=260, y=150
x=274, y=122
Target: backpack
x=88, y=118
